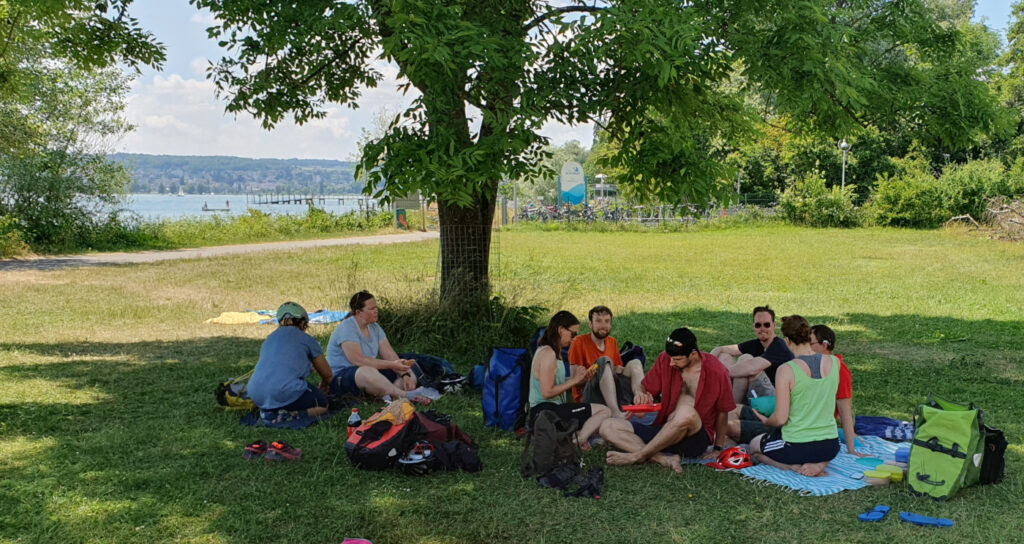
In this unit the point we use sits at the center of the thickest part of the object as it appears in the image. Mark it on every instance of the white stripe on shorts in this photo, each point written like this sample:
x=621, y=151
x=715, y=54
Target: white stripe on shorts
x=773, y=445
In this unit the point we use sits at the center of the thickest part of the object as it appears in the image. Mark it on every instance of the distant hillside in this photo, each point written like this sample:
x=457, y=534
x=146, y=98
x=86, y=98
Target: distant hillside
x=198, y=174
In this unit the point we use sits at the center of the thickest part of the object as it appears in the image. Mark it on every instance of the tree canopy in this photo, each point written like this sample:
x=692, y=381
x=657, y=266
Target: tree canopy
x=668, y=81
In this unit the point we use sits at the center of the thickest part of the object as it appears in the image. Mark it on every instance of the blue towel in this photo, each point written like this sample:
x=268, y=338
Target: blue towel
x=321, y=317
x=839, y=475
x=280, y=420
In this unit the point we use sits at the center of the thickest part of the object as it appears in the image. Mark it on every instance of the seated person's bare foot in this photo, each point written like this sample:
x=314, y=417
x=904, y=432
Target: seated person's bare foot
x=671, y=461
x=621, y=458
x=812, y=469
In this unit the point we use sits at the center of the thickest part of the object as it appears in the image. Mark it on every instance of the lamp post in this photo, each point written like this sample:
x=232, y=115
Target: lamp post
x=844, y=147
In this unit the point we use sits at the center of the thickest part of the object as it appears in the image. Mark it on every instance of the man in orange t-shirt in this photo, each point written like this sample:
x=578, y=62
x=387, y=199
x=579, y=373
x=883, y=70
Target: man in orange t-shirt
x=616, y=383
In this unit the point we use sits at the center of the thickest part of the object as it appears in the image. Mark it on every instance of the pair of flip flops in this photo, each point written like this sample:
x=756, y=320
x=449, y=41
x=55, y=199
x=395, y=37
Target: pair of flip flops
x=275, y=451
x=879, y=512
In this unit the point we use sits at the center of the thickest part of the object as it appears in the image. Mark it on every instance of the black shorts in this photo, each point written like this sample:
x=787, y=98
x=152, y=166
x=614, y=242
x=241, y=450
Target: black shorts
x=750, y=425
x=798, y=453
x=692, y=446
x=571, y=411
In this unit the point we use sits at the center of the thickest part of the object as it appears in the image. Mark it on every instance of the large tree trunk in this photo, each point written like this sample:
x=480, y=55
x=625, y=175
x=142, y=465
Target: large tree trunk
x=466, y=247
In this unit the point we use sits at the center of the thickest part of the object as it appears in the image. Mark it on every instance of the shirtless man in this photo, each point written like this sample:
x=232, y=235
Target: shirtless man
x=696, y=398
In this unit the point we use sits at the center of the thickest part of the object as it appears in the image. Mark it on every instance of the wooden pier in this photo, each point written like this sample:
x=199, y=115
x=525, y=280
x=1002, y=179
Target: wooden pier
x=261, y=199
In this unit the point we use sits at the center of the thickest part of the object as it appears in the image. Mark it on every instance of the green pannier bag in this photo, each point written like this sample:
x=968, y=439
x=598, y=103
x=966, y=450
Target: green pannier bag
x=947, y=450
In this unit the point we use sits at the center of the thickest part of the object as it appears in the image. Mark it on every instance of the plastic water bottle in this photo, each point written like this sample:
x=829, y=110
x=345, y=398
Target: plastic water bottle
x=354, y=421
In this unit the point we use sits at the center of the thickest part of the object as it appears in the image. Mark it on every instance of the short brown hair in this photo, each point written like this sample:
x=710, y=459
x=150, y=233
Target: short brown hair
x=765, y=309
x=596, y=310
x=796, y=329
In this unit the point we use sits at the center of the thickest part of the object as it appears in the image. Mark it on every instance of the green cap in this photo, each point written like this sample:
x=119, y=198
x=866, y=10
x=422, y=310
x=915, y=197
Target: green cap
x=291, y=309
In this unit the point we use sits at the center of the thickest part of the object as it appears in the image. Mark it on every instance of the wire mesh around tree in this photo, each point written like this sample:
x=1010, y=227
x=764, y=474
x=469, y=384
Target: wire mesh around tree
x=466, y=255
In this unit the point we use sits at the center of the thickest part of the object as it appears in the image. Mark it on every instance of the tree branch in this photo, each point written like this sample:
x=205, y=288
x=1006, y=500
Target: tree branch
x=559, y=11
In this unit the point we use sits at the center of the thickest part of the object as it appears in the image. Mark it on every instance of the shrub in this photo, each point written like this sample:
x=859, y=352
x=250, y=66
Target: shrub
x=808, y=202
x=967, y=188
x=11, y=242
x=910, y=200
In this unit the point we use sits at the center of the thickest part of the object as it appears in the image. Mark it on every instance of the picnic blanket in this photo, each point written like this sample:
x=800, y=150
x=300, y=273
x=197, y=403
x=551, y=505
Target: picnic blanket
x=839, y=475
x=279, y=419
x=266, y=317
x=237, y=318
x=319, y=317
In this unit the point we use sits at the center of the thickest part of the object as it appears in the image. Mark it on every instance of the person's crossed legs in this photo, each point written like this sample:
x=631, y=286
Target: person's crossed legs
x=366, y=379
x=683, y=423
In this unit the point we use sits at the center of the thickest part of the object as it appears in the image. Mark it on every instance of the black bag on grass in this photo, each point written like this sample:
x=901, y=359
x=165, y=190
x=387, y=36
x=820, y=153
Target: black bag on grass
x=550, y=442
x=993, y=466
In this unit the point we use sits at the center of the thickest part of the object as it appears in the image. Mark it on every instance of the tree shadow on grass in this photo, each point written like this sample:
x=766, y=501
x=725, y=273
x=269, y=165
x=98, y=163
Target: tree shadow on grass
x=143, y=453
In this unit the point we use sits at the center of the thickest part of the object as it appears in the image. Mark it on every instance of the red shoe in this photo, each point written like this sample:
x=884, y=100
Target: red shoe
x=254, y=450
x=281, y=451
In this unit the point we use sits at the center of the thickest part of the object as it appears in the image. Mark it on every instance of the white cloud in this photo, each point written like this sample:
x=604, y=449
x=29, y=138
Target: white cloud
x=180, y=115
x=204, y=18
x=198, y=66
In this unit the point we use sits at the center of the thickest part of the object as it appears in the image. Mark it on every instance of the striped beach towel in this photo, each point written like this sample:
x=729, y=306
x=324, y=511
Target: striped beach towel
x=839, y=473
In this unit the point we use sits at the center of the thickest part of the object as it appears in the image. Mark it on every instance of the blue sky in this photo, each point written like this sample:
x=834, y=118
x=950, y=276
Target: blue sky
x=176, y=112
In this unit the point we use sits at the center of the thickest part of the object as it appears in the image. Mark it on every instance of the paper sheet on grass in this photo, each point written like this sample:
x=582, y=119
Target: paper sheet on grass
x=839, y=475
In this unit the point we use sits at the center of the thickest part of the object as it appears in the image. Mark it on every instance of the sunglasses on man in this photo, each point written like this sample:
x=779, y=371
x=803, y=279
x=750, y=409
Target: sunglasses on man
x=762, y=325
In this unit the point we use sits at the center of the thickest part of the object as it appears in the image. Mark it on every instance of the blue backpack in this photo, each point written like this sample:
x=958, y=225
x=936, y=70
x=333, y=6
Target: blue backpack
x=506, y=388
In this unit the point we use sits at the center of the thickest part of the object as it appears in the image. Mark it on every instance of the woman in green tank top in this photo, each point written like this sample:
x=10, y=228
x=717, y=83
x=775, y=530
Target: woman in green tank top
x=805, y=398
x=549, y=386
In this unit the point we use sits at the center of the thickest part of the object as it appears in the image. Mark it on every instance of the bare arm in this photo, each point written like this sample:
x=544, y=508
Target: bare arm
x=355, y=354
x=733, y=350
x=783, y=388
x=748, y=367
x=846, y=420
x=546, y=366
x=324, y=370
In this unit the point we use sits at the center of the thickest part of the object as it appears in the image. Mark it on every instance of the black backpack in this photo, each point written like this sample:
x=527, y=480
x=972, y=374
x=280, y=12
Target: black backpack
x=550, y=442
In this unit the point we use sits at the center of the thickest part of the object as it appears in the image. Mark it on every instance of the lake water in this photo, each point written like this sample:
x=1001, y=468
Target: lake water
x=151, y=206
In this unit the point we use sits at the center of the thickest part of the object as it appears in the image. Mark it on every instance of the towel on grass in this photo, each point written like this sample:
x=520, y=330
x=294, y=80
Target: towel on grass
x=319, y=317
x=266, y=317
x=280, y=419
x=839, y=473
x=237, y=318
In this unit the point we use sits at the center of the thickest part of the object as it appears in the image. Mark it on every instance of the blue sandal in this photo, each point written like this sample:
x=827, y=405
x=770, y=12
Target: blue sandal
x=877, y=513
x=925, y=521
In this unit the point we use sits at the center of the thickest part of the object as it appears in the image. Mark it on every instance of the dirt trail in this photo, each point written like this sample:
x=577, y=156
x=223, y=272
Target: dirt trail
x=56, y=262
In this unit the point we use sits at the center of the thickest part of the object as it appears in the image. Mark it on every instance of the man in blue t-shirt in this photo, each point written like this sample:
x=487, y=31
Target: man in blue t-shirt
x=753, y=363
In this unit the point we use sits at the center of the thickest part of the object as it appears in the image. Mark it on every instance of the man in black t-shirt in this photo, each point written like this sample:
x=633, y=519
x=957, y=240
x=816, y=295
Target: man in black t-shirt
x=752, y=364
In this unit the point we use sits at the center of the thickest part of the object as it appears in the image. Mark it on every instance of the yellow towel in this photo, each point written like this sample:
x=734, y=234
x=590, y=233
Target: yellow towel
x=237, y=318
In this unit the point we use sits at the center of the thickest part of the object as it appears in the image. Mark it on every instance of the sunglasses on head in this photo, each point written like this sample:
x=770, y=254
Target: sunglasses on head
x=762, y=325
x=675, y=343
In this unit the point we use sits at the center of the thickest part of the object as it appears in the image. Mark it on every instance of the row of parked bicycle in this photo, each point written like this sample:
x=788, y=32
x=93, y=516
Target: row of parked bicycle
x=612, y=214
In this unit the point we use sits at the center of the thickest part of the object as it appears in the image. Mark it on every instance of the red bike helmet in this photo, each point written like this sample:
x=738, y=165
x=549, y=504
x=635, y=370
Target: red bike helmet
x=732, y=458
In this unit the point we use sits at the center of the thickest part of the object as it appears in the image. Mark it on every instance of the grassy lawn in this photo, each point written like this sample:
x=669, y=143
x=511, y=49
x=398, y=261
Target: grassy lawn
x=109, y=432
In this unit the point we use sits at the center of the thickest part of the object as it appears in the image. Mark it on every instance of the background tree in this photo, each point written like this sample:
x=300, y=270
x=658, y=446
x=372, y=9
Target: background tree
x=486, y=75
x=61, y=98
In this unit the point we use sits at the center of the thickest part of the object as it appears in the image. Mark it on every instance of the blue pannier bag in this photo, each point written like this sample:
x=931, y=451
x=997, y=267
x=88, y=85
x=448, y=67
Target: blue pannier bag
x=504, y=394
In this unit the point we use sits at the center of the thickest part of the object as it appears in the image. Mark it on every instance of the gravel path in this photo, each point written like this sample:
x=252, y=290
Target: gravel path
x=57, y=262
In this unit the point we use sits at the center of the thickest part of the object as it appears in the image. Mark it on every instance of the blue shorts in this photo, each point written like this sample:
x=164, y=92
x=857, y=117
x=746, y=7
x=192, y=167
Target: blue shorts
x=692, y=446
x=344, y=381
x=797, y=453
x=312, y=397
